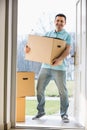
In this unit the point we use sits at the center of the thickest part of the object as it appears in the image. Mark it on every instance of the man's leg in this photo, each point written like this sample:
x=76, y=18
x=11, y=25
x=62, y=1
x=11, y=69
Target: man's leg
x=60, y=80
x=43, y=80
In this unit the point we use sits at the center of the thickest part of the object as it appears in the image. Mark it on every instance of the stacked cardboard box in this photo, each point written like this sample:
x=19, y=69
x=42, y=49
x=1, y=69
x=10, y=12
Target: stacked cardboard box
x=25, y=87
x=20, y=109
x=25, y=84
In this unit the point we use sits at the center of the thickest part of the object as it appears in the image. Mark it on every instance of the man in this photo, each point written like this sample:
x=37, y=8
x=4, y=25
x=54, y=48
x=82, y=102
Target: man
x=56, y=72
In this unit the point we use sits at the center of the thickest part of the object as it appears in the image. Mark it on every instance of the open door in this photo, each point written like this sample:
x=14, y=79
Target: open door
x=78, y=55
x=80, y=59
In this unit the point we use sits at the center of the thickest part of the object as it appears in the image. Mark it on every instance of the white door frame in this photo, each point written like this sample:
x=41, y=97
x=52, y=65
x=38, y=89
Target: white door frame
x=13, y=68
x=77, y=61
x=81, y=85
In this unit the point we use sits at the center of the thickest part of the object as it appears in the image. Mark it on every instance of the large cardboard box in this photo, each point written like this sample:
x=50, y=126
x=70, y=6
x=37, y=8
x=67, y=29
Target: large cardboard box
x=25, y=82
x=20, y=109
x=44, y=49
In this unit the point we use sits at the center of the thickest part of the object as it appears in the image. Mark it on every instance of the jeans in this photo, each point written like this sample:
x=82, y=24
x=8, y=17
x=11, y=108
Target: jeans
x=60, y=79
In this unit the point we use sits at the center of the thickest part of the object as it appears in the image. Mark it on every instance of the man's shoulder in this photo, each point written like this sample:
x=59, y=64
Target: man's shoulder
x=67, y=32
x=49, y=33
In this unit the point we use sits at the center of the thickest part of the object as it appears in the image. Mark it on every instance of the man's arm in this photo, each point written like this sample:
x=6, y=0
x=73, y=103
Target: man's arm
x=62, y=56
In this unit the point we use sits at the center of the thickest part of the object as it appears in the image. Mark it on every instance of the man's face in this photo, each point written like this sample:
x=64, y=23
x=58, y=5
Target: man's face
x=59, y=23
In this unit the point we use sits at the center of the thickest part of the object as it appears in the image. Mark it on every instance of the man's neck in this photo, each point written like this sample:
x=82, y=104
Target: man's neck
x=58, y=30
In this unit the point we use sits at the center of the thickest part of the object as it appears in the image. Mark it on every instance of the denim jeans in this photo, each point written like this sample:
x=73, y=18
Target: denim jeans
x=60, y=79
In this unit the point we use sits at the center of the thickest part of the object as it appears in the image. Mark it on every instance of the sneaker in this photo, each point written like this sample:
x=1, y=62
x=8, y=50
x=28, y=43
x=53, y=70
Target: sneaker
x=65, y=119
x=38, y=115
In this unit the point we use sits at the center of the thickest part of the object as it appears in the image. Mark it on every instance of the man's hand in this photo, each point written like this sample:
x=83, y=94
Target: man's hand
x=27, y=49
x=66, y=52
x=56, y=62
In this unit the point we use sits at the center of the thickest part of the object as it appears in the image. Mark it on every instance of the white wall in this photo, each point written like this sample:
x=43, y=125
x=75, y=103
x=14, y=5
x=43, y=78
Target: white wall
x=5, y=62
x=2, y=49
x=8, y=61
x=86, y=71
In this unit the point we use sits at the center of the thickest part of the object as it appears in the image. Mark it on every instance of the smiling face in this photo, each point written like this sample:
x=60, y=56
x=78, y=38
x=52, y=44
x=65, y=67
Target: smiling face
x=59, y=23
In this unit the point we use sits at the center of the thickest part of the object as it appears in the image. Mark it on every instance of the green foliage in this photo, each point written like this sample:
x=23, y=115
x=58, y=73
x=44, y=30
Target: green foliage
x=51, y=107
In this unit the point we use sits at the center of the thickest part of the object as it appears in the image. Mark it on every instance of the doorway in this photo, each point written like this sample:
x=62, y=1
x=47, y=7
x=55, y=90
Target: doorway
x=32, y=31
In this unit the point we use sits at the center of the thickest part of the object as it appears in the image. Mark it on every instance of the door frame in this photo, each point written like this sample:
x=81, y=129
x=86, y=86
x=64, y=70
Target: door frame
x=77, y=60
x=13, y=67
x=81, y=69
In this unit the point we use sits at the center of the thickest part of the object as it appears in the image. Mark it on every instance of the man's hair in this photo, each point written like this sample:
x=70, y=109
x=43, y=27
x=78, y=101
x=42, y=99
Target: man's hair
x=60, y=15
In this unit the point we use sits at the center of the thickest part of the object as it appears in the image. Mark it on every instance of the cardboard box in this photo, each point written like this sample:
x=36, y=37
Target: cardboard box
x=44, y=49
x=20, y=109
x=25, y=83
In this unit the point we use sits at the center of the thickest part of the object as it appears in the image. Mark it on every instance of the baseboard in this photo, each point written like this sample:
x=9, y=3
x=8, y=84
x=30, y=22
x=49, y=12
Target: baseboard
x=1, y=126
x=7, y=126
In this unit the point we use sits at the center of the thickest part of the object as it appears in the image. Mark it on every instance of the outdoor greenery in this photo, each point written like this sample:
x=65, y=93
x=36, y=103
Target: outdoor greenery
x=52, y=107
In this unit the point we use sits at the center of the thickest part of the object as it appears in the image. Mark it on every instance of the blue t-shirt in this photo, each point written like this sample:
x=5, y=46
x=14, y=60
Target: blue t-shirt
x=62, y=35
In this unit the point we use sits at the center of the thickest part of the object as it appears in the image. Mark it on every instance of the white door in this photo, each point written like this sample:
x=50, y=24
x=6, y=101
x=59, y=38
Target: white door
x=80, y=60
